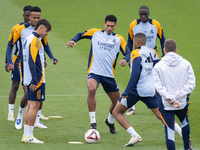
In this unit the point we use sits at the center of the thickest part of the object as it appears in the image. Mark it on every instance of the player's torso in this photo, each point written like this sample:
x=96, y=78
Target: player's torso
x=145, y=85
x=149, y=30
x=105, y=49
x=39, y=60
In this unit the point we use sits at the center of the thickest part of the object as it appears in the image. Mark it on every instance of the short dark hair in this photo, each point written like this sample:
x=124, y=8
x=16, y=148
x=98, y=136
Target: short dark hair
x=35, y=9
x=44, y=22
x=111, y=18
x=144, y=7
x=141, y=37
x=27, y=8
x=170, y=45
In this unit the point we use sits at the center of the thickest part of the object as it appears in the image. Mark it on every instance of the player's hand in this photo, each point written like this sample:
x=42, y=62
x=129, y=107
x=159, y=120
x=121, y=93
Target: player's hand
x=32, y=87
x=11, y=67
x=168, y=100
x=54, y=61
x=45, y=63
x=176, y=104
x=71, y=43
x=123, y=62
x=24, y=87
x=129, y=64
x=6, y=67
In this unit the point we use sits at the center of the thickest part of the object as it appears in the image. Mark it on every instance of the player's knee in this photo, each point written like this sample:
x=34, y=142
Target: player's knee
x=91, y=90
x=15, y=86
x=114, y=113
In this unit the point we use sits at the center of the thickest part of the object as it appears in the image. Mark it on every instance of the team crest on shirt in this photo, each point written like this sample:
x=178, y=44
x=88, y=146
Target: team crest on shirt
x=152, y=31
x=114, y=40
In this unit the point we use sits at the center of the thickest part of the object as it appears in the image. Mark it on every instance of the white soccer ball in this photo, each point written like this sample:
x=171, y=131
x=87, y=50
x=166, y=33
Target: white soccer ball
x=92, y=136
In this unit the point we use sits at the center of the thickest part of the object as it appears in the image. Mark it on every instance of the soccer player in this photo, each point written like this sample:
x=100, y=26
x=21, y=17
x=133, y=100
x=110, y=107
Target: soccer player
x=15, y=74
x=33, y=77
x=20, y=35
x=105, y=46
x=152, y=29
x=140, y=86
x=174, y=80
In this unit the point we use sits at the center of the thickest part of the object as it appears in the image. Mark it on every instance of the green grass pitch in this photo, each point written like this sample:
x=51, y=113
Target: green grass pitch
x=66, y=90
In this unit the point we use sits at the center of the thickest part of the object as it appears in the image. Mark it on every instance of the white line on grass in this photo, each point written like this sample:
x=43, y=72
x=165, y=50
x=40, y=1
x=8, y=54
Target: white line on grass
x=70, y=95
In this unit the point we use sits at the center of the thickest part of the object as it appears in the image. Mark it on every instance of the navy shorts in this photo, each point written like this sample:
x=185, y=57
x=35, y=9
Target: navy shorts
x=133, y=98
x=109, y=84
x=37, y=95
x=15, y=74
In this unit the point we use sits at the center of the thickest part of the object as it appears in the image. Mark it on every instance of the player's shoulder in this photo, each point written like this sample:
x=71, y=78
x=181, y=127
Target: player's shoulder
x=94, y=30
x=134, y=23
x=154, y=22
x=20, y=28
x=16, y=26
x=118, y=35
x=135, y=53
x=186, y=62
x=36, y=39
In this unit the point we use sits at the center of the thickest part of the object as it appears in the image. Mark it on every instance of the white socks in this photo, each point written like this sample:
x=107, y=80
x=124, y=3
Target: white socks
x=92, y=117
x=38, y=116
x=111, y=118
x=132, y=132
x=20, y=113
x=28, y=130
x=11, y=108
x=133, y=107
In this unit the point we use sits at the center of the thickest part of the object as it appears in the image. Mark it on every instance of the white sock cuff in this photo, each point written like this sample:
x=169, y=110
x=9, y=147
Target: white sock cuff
x=111, y=118
x=92, y=117
x=132, y=132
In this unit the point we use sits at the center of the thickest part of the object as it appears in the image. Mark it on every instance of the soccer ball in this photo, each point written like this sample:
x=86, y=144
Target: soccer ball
x=92, y=136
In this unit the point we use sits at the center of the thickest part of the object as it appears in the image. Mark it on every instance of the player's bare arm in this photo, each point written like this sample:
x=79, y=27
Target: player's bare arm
x=71, y=43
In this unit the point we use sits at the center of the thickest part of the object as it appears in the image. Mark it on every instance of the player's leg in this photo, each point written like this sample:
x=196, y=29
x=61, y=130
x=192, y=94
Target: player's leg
x=30, y=114
x=39, y=124
x=12, y=97
x=15, y=77
x=30, y=120
x=185, y=126
x=118, y=113
x=156, y=112
x=167, y=118
x=114, y=97
x=92, y=86
x=23, y=103
x=177, y=127
x=112, y=90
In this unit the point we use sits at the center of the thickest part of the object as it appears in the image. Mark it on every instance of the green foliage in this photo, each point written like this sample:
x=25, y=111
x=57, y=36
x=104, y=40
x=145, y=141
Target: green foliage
x=66, y=92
